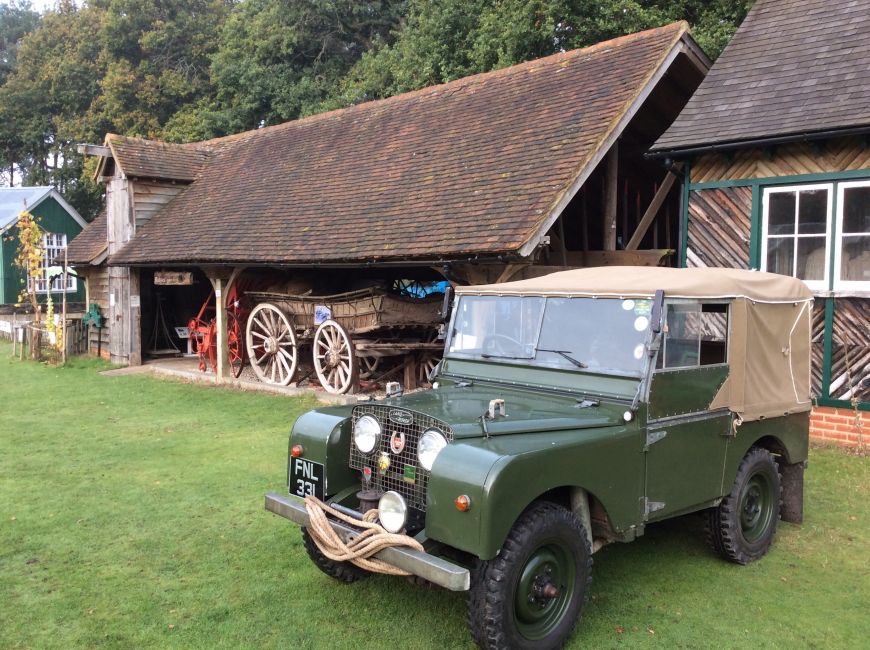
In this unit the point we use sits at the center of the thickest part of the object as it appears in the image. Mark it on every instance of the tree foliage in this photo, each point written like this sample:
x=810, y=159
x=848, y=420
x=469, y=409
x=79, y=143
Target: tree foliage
x=184, y=70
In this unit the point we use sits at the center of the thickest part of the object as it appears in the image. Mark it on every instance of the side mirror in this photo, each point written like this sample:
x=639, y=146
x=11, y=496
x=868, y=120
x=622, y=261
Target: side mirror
x=657, y=311
x=447, y=305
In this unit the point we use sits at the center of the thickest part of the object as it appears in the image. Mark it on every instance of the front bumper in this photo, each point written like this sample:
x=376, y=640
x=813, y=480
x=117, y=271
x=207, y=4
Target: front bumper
x=430, y=567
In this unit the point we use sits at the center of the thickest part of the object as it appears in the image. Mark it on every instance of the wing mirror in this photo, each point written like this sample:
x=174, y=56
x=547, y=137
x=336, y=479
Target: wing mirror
x=657, y=311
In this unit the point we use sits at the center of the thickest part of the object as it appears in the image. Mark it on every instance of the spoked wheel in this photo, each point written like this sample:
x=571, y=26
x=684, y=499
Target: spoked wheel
x=235, y=344
x=271, y=344
x=335, y=359
x=530, y=595
x=425, y=365
x=368, y=366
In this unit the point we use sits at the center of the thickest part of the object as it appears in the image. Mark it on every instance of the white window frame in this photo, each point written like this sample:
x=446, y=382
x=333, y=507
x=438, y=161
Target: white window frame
x=839, y=284
x=817, y=285
x=54, y=244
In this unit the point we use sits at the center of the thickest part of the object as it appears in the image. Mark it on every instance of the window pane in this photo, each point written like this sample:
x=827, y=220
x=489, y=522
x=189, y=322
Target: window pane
x=780, y=216
x=714, y=334
x=855, y=259
x=811, y=258
x=856, y=210
x=683, y=336
x=780, y=255
x=813, y=212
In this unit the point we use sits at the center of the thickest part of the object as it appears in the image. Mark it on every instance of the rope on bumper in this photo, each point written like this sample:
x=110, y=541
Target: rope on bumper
x=360, y=549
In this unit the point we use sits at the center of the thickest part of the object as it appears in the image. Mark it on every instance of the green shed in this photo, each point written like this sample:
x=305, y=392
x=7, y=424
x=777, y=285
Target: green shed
x=60, y=222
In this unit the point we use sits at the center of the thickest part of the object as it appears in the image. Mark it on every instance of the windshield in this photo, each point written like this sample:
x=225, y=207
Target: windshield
x=583, y=334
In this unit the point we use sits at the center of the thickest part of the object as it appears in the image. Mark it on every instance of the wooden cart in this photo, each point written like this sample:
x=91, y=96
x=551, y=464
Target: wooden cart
x=342, y=333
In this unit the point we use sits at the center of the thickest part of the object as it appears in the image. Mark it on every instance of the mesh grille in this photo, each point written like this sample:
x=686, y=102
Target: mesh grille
x=404, y=475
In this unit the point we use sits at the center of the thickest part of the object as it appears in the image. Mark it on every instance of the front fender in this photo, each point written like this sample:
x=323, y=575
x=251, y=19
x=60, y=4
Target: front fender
x=504, y=475
x=325, y=437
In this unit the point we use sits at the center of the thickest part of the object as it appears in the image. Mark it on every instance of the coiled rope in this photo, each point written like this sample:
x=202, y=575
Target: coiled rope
x=360, y=548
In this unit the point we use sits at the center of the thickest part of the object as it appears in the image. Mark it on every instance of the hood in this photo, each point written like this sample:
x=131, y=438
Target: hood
x=462, y=406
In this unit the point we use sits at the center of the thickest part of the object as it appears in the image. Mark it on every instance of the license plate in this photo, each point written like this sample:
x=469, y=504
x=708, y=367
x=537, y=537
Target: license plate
x=306, y=478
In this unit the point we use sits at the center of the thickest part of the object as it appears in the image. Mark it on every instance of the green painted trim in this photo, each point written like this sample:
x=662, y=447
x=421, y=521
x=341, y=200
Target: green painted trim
x=784, y=180
x=827, y=347
x=755, y=229
x=832, y=238
x=840, y=403
x=684, y=221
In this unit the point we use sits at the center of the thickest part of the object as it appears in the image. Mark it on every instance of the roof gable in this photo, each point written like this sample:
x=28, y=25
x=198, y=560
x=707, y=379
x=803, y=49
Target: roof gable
x=794, y=68
x=14, y=200
x=477, y=166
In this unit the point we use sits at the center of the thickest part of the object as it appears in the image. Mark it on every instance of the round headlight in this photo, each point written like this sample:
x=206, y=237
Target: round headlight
x=430, y=445
x=365, y=434
x=392, y=511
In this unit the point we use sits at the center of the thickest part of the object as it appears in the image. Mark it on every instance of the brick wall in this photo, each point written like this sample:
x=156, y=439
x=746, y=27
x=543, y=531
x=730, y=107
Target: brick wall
x=840, y=425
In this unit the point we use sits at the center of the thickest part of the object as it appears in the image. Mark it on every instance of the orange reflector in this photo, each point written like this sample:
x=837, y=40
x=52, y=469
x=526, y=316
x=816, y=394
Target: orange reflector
x=463, y=502
x=296, y=451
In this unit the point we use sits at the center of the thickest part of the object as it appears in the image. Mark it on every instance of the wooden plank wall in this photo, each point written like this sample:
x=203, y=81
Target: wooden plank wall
x=837, y=155
x=817, y=348
x=719, y=224
x=98, y=292
x=150, y=197
x=850, y=359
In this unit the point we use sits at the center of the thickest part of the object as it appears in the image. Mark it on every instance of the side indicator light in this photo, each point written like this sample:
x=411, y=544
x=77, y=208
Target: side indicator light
x=463, y=503
x=296, y=451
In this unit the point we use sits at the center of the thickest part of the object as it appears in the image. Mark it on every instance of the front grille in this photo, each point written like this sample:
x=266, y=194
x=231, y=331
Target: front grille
x=404, y=475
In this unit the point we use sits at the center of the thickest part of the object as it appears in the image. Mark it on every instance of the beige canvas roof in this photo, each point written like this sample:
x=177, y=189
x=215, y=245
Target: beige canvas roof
x=638, y=281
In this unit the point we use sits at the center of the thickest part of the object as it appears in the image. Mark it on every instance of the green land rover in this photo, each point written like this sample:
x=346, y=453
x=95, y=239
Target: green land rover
x=569, y=411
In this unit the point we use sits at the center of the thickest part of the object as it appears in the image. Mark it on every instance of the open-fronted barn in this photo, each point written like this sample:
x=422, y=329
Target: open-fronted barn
x=497, y=176
x=777, y=158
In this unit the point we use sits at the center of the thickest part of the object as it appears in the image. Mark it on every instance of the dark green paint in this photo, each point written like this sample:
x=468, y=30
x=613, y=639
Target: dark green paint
x=690, y=390
x=52, y=217
x=755, y=229
x=841, y=403
x=827, y=347
x=325, y=438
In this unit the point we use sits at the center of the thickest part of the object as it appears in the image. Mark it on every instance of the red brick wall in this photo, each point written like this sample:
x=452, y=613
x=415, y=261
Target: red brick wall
x=840, y=425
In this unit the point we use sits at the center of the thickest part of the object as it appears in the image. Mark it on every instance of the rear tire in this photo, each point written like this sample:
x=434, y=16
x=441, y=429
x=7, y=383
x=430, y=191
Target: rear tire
x=530, y=596
x=342, y=571
x=741, y=529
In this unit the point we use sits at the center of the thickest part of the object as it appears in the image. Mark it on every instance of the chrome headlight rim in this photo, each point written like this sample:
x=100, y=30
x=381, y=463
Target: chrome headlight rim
x=368, y=444
x=426, y=452
x=392, y=511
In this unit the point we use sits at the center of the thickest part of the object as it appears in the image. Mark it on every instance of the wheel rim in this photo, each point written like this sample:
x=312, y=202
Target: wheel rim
x=334, y=358
x=271, y=345
x=544, y=591
x=756, y=508
x=235, y=345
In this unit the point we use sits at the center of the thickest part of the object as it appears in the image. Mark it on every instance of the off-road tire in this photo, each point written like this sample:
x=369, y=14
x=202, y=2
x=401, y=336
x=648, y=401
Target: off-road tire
x=741, y=529
x=496, y=584
x=342, y=571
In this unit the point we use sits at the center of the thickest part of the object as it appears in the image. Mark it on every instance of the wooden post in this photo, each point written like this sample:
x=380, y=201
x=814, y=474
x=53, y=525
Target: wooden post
x=611, y=198
x=220, y=308
x=63, y=312
x=651, y=212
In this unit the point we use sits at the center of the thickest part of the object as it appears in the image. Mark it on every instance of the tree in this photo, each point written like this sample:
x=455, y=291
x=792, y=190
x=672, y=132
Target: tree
x=17, y=19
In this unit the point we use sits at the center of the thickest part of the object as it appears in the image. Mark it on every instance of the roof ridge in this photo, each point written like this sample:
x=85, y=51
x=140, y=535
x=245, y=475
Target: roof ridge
x=681, y=27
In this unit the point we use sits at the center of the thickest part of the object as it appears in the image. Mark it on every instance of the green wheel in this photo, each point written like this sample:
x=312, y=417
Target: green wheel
x=531, y=595
x=741, y=529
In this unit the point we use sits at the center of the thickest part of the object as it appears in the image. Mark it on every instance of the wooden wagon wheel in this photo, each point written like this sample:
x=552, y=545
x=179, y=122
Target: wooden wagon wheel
x=335, y=359
x=272, y=347
x=368, y=366
x=235, y=344
x=426, y=364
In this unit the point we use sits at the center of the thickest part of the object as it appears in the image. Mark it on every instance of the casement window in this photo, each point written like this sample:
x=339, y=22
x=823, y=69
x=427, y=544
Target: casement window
x=819, y=233
x=796, y=233
x=852, y=243
x=54, y=244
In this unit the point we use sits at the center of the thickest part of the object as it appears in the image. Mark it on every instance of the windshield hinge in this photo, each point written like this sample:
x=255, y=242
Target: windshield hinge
x=652, y=437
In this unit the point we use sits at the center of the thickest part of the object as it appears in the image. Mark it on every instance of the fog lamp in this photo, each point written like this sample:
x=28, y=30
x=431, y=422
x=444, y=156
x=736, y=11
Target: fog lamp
x=392, y=511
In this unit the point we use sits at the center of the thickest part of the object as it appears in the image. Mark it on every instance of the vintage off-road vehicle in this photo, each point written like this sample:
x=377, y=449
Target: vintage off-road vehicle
x=569, y=411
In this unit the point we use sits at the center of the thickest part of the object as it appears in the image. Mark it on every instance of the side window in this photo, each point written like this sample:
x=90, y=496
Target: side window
x=852, y=248
x=696, y=334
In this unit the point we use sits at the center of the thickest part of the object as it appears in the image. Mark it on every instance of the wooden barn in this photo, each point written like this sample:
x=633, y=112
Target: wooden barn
x=776, y=151
x=497, y=176
x=60, y=223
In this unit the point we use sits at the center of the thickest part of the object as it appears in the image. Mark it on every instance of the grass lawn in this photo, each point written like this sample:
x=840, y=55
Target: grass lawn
x=131, y=515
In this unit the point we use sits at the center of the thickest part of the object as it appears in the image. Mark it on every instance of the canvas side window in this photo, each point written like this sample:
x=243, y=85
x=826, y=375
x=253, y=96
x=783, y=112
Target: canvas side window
x=695, y=335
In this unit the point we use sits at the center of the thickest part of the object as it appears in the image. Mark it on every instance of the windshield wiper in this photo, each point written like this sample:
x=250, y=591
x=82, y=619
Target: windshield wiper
x=500, y=356
x=565, y=354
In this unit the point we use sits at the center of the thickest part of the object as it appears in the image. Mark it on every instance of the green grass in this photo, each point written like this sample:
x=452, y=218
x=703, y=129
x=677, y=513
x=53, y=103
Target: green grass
x=131, y=515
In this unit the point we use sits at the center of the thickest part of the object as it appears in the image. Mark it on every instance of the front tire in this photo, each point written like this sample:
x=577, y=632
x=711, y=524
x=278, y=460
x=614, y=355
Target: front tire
x=346, y=572
x=741, y=529
x=530, y=596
